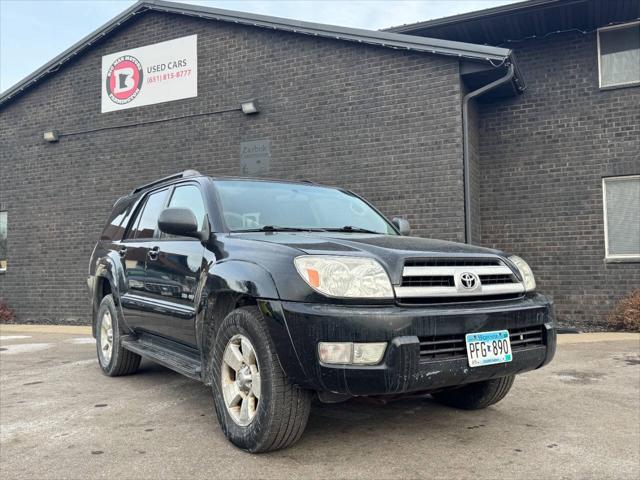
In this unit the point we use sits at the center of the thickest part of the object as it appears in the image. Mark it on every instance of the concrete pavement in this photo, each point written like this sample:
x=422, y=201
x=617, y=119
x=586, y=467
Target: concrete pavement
x=61, y=418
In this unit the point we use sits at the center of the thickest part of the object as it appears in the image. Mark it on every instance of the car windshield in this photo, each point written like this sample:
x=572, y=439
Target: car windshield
x=258, y=205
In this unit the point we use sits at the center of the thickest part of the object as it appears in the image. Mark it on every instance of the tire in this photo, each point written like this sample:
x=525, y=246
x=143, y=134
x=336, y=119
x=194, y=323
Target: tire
x=476, y=396
x=113, y=359
x=277, y=416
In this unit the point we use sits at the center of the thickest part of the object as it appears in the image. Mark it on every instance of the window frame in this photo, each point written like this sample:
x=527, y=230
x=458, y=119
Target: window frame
x=172, y=190
x=219, y=210
x=142, y=203
x=624, y=257
x=137, y=214
x=606, y=29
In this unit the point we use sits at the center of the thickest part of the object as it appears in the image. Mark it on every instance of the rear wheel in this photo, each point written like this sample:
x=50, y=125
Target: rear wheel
x=476, y=396
x=113, y=359
x=257, y=408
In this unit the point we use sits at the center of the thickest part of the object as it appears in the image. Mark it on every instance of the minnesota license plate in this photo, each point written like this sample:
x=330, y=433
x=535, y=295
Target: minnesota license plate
x=488, y=348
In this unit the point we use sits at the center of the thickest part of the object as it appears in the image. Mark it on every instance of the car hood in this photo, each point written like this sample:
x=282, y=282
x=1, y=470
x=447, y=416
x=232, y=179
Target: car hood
x=339, y=243
x=390, y=250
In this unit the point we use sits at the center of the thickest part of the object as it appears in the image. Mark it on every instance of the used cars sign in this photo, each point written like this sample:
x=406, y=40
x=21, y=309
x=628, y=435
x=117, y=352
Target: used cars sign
x=157, y=73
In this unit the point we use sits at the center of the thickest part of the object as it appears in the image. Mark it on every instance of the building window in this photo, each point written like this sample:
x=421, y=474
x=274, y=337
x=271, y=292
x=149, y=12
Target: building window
x=622, y=217
x=3, y=241
x=619, y=55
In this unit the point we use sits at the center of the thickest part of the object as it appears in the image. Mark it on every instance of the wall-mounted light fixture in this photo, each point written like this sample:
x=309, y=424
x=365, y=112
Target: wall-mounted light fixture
x=249, y=107
x=51, y=136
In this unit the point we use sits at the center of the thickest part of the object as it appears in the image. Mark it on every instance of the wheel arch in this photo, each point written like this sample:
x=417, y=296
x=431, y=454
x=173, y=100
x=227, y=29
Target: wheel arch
x=234, y=284
x=105, y=282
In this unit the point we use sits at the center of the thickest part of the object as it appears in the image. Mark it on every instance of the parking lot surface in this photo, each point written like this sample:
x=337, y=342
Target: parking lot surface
x=61, y=418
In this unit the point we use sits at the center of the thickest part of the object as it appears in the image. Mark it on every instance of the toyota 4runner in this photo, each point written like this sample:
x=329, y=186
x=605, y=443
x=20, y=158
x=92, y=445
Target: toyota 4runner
x=272, y=292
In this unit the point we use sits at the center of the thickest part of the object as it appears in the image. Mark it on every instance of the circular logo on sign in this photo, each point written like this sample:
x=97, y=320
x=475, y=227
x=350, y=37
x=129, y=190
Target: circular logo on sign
x=124, y=79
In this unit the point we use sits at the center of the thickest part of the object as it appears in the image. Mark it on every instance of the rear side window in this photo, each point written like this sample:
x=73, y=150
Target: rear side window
x=146, y=222
x=117, y=223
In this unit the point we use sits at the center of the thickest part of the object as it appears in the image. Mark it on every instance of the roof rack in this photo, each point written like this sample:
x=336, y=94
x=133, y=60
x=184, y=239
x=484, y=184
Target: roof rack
x=175, y=176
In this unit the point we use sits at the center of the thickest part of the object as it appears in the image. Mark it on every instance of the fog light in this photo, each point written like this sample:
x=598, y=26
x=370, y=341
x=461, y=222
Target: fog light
x=368, y=353
x=335, y=352
x=347, y=353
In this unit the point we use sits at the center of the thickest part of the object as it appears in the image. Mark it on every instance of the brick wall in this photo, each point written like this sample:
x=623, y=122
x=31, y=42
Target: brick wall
x=381, y=122
x=543, y=156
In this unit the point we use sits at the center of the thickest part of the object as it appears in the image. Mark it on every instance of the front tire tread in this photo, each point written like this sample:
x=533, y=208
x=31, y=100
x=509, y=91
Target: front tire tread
x=283, y=415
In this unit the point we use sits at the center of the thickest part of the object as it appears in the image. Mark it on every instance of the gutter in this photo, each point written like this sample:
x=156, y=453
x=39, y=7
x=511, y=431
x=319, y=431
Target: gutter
x=465, y=143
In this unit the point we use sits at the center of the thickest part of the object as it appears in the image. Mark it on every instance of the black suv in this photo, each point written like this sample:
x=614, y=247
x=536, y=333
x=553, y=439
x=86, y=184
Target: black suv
x=274, y=291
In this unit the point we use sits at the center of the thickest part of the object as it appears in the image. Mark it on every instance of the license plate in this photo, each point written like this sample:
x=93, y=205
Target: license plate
x=488, y=348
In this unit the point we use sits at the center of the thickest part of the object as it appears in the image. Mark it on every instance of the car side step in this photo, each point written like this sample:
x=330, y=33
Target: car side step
x=170, y=354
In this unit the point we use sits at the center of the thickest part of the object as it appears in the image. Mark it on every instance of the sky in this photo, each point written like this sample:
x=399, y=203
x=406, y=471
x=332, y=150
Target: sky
x=32, y=32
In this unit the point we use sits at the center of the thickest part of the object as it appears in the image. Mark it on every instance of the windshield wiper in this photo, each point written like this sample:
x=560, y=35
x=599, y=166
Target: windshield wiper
x=274, y=228
x=349, y=228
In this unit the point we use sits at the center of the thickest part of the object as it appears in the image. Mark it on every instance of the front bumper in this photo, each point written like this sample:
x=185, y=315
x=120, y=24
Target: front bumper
x=403, y=368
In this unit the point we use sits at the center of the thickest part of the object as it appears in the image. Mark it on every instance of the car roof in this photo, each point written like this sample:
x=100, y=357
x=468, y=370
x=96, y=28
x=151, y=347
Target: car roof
x=267, y=180
x=194, y=174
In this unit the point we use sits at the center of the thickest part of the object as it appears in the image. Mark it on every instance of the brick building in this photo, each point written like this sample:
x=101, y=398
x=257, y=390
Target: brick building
x=546, y=158
x=468, y=141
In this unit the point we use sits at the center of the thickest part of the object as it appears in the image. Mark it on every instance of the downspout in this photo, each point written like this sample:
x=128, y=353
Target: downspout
x=465, y=144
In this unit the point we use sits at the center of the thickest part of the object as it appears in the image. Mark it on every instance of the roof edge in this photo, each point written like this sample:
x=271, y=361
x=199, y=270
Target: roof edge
x=387, y=39
x=468, y=16
x=371, y=37
x=57, y=61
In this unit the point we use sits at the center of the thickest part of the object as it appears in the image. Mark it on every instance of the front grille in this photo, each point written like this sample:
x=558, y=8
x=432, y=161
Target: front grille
x=444, y=347
x=497, y=279
x=451, y=346
x=452, y=262
x=448, y=280
x=422, y=301
x=526, y=337
x=435, y=281
x=445, y=280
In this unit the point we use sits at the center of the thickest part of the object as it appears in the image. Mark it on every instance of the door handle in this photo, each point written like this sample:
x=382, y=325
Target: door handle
x=153, y=253
x=122, y=251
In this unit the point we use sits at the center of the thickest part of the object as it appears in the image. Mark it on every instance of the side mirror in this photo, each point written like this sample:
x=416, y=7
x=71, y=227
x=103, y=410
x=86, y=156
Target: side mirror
x=179, y=221
x=402, y=225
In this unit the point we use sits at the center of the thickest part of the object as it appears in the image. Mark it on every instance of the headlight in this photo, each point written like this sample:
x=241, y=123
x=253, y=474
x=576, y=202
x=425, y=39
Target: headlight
x=351, y=277
x=525, y=272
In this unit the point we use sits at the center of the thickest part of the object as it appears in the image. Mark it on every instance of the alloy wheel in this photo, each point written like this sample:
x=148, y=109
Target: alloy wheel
x=240, y=378
x=106, y=337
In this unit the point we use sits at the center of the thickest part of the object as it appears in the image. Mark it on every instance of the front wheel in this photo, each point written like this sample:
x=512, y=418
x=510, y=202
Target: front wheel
x=257, y=408
x=476, y=396
x=113, y=359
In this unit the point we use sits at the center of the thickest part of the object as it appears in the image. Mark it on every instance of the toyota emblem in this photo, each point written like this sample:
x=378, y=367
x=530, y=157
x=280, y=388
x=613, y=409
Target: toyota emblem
x=469, y=281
